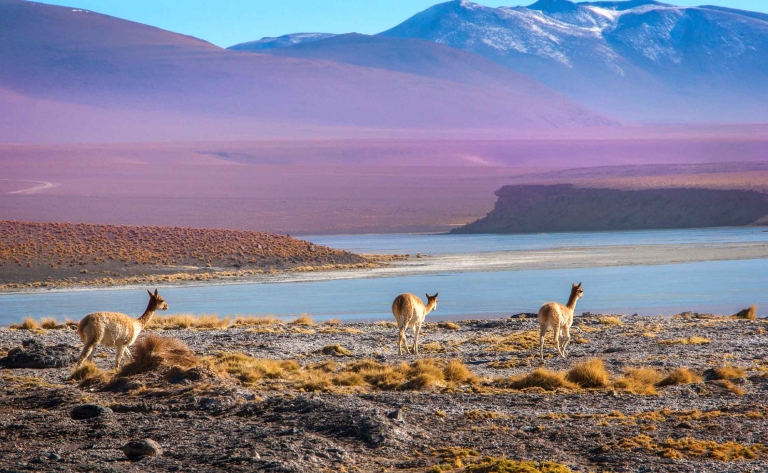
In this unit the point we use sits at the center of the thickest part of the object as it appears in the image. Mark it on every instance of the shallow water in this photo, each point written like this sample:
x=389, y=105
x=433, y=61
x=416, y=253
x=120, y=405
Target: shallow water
x=445, y=243
x=720, y=287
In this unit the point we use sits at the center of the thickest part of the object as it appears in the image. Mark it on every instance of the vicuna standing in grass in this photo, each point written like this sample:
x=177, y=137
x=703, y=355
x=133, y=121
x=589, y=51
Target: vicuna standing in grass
x=560, y=318
x=115, y=330
x=410, y=311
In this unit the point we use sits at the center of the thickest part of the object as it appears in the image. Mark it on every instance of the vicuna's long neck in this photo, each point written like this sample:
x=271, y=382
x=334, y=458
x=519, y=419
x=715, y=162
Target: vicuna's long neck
x=430, y=306
x=146, y=317
x=572, y=300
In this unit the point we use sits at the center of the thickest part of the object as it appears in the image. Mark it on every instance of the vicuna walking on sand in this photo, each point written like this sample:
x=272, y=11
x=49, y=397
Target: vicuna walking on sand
x=410, y=311
x=560, y=318
x=115, y=330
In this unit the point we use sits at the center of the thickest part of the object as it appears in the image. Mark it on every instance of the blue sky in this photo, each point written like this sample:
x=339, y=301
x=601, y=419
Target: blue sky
x=228, y=22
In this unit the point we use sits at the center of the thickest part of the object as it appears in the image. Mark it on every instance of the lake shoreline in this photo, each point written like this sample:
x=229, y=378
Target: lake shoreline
x=481, y=262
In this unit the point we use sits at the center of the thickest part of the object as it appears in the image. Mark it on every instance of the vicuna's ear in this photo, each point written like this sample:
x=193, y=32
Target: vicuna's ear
x=150, y=293
x=427, y=296
x=155, y=292
x=436, y=295
x=579, y=284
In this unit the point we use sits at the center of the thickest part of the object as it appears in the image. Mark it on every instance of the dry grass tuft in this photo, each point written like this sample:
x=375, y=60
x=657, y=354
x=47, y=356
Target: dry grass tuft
x=516, y=341
x=457, y=372
x=680, y=376
x=303, y=320
x=333, y=321
x=725, y=384
x=449, y=325
x=640, y=381
x=686, y=341
x=27, y=324
x=152, y=351
x=250, y=370
x=49, y=323
x=539, y=378
x=502, y=465
x=384, y=323
x=251, y=321
x=688, y=447
x=187, y=321
x=86, y=370
x=610, y=320
x=589, y=374
x=336, y=350
x=724, y=372
x=746, y=314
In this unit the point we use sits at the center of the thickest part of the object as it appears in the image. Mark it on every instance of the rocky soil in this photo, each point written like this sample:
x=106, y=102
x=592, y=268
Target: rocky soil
x=204, y=421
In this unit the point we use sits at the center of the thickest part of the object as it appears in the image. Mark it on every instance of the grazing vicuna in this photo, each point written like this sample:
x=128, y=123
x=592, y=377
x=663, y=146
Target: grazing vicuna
x=410, y=311
x=115, y=330
x=560, y=318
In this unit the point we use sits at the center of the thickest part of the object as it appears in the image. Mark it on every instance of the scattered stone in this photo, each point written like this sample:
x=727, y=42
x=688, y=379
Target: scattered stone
x=34, y=354
x=397, y=415
x=90, y=411
x=142, y=448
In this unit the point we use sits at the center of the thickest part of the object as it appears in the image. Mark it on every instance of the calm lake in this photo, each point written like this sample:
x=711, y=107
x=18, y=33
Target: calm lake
x=719, y=286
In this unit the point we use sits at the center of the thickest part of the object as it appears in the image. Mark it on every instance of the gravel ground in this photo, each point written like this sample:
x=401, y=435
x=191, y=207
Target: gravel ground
x=220, y=424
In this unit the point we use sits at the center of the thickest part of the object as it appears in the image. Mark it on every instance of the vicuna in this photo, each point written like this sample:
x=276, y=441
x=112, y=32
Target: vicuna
x=410, y=311
x=115, y=330
x=560, y=318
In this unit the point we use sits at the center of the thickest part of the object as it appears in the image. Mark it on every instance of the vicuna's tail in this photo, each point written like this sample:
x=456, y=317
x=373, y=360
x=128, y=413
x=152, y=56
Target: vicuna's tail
x=398, y=306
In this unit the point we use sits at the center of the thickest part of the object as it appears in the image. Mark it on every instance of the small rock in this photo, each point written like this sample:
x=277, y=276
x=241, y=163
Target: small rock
x=684, y=425
x=34, y=354
x=142, y=448
x=89, y=411
x=54, y=457
x=397, y=415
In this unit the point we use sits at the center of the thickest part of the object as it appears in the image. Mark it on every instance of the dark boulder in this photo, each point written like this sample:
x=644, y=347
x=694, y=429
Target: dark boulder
x=34, y=354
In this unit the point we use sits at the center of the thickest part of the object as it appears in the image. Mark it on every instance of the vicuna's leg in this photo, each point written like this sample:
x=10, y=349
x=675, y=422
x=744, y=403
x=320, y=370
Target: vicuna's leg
x=119, y=350
x=401, y=341
x=128, y=354
x=87, y=352
x=556, y=330
x=542, y=332
x=416, y=332
x=567, y=338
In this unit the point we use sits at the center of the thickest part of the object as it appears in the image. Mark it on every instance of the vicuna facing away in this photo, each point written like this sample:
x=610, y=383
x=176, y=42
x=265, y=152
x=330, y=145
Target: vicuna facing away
x=410, y=311
x=115, y=330
x=560, y=318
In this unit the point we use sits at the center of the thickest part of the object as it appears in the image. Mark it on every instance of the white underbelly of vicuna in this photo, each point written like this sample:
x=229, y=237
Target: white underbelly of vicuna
x=118, y=336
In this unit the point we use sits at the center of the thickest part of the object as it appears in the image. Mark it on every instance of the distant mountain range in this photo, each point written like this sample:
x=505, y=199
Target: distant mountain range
x=74, y=75
x=639, y=60
x=69, y=74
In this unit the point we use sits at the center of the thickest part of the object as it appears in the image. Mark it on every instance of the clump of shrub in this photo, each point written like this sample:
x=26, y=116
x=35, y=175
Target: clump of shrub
x=27, y=324
x=589, y=374
x=540, y=378
x=255, y=321
x=688, y=447
x=679, y=376
x=336, y=350
x=749, y=313
x=686, y=341
x=610, y=320
x=303, y=320
x=449, y=325
x=724, y=372
x=640, y=381
x=87, y=369
x=188, y=321
x=152, y=351
x=502, y=465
